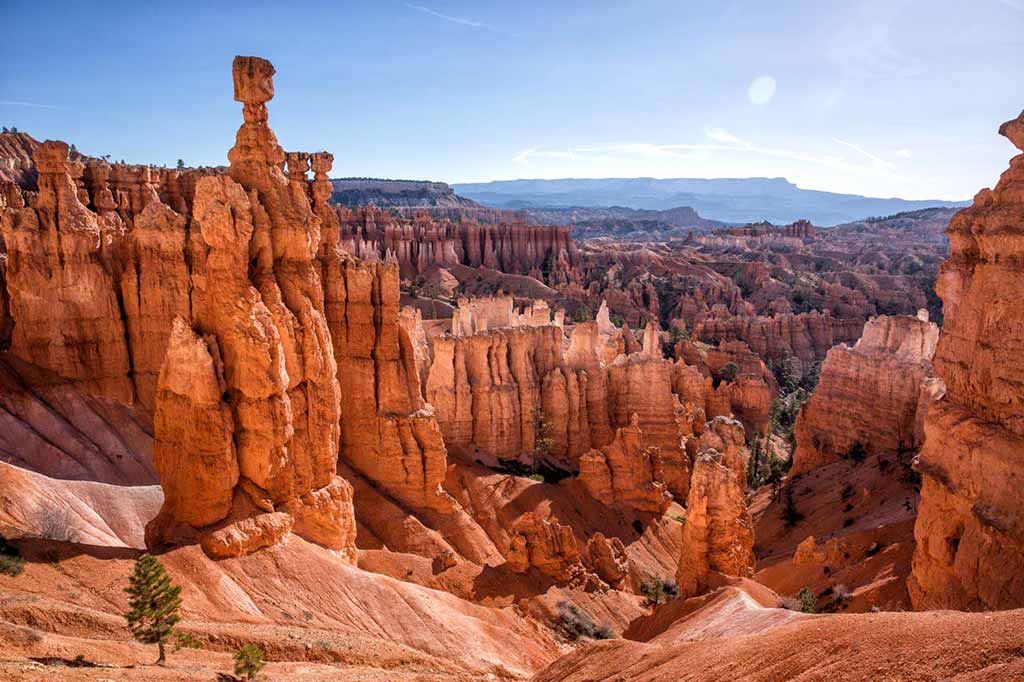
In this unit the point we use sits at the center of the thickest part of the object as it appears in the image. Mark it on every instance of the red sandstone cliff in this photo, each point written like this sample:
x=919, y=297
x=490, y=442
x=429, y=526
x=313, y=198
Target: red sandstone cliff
x=203, y=296
x=805, y=337
x=874, y=394
x=419, y=242
x=970, y=529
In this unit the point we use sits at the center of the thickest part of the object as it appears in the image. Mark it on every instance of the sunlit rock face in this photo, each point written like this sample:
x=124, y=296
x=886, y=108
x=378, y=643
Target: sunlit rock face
x=873, y=396
x=970, y=525
x=718, y=536
x=198, y=294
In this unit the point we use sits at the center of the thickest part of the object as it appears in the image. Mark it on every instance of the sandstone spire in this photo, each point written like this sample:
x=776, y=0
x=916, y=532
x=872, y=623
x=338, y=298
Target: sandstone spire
x=258, y=302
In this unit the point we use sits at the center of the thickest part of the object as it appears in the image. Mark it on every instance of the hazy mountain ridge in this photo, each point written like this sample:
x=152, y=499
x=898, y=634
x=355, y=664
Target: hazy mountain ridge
x=735, y=200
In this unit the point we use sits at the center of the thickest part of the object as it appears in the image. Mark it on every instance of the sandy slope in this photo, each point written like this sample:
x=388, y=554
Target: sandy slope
x=769, y=646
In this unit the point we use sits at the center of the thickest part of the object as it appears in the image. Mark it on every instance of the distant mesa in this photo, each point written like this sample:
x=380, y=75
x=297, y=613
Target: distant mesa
x=385, y=193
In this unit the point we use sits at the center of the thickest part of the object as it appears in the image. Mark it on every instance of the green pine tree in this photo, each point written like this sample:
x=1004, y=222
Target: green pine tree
x=249, y=661
x=153, y=605
x=754, y=477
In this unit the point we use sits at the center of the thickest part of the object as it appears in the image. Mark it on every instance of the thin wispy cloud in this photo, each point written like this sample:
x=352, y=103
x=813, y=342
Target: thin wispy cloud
x=448, y=17
x=36, y=105
x=722, y=136
x=461, y=21
x=877, y=160
x=720, y=141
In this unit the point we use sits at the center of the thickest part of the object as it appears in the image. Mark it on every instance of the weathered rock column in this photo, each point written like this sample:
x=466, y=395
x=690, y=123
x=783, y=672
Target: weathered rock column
x=970, y=524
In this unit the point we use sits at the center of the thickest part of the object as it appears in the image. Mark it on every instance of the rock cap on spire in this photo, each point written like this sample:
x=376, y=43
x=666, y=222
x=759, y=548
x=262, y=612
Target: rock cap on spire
x=254, y=79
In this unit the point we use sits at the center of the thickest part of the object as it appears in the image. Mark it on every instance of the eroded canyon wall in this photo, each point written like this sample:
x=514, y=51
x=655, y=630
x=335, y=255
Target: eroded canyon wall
x=872, y=397
x=970, y=526
x=546, y=253
x=618, y=412
x=805, y=338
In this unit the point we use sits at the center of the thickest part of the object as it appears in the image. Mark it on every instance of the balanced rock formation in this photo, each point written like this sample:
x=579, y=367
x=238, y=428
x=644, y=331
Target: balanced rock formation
x=222, y=302
x=247, y=418
x=970, y=524
x=874, y=395
x=198, y=294
x=718, y=535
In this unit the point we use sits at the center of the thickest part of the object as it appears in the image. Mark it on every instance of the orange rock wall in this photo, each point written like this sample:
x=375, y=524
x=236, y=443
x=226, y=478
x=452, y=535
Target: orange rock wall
x=718, y=536
x=542, y=251
x=875, y=393
x=970, y=524
x=805, y=337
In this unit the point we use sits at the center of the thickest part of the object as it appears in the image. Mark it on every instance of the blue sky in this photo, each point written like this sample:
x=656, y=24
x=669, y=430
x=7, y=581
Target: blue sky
x=894, y=98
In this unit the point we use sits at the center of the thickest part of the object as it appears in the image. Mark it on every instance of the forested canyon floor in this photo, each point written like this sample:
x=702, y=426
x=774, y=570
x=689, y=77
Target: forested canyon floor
x=215, y=365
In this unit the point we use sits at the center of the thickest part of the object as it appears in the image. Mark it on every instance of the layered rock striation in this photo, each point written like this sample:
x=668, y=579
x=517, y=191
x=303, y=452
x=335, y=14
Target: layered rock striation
x=802, y=339
x=247, y=415
x=518, y=393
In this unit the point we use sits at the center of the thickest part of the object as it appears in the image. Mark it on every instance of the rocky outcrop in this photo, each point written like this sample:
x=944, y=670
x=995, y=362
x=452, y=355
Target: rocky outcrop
x=63, y=297
x=200, y=296
x=805, y=338
x=641, y=384
x=718, y=536
x=477, y=315
x=512, y=393
x=194, y=450
x=496, y=393
x=16, y=165
x=728, y=379
x=872, y=396
x=970, y=526
x=544, y=252
x=607, y=558
x=221, y=301
x=388, y=432
x=546, y=546
x=626, y=473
